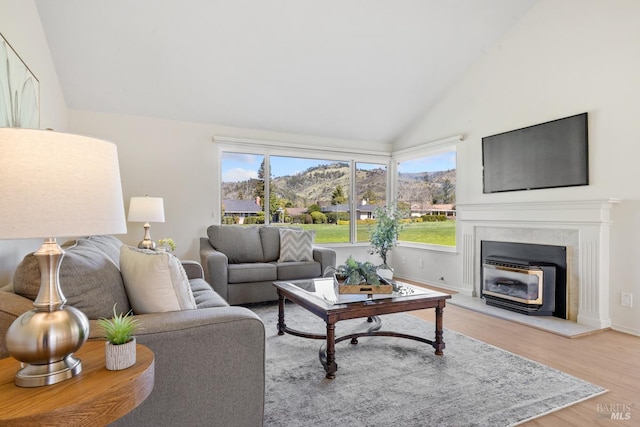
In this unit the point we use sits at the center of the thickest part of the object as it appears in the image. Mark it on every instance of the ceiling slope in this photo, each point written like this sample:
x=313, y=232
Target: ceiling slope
x=351, y=69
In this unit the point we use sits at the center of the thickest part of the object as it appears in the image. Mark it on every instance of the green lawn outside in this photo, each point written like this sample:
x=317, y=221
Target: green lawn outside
x=436, y=233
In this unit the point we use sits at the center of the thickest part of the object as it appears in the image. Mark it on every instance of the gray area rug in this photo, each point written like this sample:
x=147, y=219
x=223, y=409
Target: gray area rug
x=385, y=381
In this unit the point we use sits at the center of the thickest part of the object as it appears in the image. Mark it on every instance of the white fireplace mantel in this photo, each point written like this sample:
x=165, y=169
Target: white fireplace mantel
x=583, y=226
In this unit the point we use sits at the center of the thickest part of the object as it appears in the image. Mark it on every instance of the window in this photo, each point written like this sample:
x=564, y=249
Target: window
x=426, y=191
x=313, y=194
x=335, y=192
x=242, y=188
x=371, y=192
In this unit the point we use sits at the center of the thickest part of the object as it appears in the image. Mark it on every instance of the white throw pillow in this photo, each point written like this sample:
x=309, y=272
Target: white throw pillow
x=155, y=281
x=296, y=245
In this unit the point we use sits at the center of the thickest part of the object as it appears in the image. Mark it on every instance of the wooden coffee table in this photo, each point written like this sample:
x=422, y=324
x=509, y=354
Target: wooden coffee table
x=319, y=296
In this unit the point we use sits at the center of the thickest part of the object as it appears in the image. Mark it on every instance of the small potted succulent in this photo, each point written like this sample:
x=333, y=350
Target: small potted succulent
x=120, y=350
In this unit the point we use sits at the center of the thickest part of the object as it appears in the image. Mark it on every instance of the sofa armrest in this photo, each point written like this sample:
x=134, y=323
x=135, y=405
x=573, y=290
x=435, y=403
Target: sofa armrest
x=326, y=257
x=215, y=267
x=209, y=368
x=11, y=306
x=193, y=269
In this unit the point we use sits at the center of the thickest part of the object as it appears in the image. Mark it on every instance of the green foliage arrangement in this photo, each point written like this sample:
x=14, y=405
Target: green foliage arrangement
x=119, y=329
x=356, y=272
x=383, y=234
x=169, y=242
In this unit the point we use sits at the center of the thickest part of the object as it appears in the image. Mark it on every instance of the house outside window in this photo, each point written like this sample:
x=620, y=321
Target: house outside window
x=242, y=188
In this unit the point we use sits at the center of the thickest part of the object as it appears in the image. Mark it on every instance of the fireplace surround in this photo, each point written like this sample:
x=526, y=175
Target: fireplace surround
x=583, y=227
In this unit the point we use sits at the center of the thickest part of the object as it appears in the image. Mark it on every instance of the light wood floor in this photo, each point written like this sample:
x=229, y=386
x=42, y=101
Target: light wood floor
x=609, y=359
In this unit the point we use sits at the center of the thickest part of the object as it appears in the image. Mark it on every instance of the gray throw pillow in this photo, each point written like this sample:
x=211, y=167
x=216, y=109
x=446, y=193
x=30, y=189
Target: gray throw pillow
x=296, y=245
x=270, y=236
x=89, y=280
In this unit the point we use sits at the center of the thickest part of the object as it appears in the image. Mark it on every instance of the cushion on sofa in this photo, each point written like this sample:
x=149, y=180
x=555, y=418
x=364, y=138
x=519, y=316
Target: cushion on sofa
x=296, y=245
x=89, y=278
x=155, y=281
x=204, y=296
x=239, y=243
x=252, y=272
x=293, y=270
x=270, y=239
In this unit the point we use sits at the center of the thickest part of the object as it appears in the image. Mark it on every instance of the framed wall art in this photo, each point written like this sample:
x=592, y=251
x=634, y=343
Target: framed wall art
x=19, y=90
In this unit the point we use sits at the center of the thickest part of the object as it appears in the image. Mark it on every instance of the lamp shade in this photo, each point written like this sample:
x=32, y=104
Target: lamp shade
x=146, y=209
x=56, y=184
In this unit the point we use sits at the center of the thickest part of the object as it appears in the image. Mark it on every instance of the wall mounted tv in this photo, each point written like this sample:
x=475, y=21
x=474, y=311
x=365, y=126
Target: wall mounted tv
x=548, y=155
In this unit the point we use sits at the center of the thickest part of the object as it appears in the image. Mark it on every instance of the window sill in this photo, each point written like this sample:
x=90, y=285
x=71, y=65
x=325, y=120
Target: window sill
x=429, y=247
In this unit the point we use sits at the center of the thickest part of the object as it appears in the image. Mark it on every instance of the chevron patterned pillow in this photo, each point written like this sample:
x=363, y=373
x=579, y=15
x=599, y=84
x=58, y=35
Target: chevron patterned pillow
x=296, y=245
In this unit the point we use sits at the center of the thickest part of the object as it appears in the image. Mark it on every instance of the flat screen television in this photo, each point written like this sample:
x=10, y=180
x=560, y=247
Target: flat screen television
x=548, y=155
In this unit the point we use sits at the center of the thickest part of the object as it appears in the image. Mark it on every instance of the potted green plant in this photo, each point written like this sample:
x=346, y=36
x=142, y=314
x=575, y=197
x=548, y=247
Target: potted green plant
x=167, y=244
x=383, y=235
x=353, y=272
x=120, y=348
x=355, y=277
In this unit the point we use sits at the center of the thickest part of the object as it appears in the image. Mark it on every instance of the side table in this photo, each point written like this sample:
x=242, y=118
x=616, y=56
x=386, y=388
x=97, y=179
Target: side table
x=94, y=397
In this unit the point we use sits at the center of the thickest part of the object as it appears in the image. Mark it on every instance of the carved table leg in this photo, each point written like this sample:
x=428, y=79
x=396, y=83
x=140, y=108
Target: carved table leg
x=281, y=324
x=439, y=343
x=331, y=366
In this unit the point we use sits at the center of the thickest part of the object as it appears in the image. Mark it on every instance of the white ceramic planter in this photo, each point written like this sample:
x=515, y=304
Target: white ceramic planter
x=385, y=273
x=121, y=356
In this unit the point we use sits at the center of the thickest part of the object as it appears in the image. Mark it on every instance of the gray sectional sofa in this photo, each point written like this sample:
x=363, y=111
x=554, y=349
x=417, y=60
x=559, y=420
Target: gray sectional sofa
x=241, y=262
x=209, y=361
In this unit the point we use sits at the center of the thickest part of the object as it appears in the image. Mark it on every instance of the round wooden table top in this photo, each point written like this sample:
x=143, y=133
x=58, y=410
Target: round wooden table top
x=94, y=397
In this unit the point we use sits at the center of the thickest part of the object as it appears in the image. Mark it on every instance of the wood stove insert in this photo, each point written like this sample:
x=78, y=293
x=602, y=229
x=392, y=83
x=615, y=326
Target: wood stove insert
x=526, y=278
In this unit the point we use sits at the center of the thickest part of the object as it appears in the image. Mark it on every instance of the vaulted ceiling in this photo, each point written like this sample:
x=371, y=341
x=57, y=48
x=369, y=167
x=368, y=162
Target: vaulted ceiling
x=354, y=69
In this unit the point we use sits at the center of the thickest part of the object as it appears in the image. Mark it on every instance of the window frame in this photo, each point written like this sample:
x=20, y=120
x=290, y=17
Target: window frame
x=300, y=150
x=424, y=150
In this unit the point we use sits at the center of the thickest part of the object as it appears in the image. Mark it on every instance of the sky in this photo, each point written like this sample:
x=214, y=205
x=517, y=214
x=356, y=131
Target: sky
x=241, y=167
x=434, y=163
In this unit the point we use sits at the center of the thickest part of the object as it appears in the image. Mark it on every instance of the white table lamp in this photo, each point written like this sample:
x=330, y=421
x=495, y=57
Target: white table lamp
x=54, y=185
x=146, y=209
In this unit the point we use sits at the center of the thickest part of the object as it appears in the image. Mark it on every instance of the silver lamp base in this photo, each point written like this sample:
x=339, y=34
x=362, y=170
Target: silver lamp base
x=50, y=373
x=146, y=242
x=45, y=338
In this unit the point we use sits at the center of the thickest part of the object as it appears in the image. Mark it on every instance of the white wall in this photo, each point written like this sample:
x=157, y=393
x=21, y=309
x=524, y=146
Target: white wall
x=563, y=58
x=176, y=161
x=20, y=25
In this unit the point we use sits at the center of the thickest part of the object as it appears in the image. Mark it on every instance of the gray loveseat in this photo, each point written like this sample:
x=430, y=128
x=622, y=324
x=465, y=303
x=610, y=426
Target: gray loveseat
x=209, y=361
x=242, y=262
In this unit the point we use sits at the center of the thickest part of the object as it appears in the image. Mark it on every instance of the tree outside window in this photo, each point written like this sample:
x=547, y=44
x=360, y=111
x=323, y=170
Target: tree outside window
x=371, y=193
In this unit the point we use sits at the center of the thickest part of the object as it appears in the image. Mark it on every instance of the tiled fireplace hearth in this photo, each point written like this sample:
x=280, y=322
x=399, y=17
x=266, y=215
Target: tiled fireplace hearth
x=581, y=226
